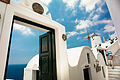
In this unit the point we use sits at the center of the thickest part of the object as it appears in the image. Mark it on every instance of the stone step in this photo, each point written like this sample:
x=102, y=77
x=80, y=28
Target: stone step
x=114, y=76
x=113, y=70
x=116, y=73
x=115, y=67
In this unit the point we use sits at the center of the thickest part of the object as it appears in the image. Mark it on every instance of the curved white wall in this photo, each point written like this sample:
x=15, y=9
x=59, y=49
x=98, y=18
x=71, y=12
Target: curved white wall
x=79, y=57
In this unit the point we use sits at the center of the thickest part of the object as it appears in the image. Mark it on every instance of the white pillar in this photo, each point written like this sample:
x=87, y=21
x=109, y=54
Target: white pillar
x=114, y=9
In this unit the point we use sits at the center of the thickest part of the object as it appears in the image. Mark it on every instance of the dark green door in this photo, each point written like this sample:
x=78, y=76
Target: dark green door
x=46, y=57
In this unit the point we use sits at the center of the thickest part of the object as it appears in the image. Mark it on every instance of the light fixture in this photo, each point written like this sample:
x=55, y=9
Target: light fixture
x=64, y=37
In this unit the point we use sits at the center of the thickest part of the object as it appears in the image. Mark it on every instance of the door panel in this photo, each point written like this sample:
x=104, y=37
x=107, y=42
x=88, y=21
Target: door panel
x=45, y=65
x=87, y=74
x=45, y=54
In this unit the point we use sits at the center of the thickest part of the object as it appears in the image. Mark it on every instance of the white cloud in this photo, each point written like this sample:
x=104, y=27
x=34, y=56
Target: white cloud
x=84, y=24
x=96, y=17
x=60, y=19
x=91, y=14
x=100, y=10
x=103, y=22
x=82, y=32
x=46, y=2
x=74, y=12
x=89, y=5
x=70, y=3
x=109, y=28
x=71, y=34
x=76, y=21
x=24, y=30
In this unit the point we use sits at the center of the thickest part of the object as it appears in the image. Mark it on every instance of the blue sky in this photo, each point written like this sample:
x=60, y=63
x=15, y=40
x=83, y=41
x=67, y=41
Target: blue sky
x=75, y=15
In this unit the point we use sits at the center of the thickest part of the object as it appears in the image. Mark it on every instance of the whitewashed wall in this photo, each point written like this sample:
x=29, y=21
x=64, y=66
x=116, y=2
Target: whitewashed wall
x=114, y=9
x=102, y=63
x=2, y=14
x=96, y=40
x=24, y=12
x=77, y=58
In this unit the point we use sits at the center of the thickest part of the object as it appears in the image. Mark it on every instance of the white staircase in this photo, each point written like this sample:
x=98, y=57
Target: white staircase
x=114, y=74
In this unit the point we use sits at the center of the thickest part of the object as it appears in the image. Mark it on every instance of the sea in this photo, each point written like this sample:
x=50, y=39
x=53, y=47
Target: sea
x=15, y=72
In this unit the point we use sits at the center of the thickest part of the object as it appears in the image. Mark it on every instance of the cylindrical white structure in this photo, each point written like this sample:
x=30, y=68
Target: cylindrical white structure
x=95, y=40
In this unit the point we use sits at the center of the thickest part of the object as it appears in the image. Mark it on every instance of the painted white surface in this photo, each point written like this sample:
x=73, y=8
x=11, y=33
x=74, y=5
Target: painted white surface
x=96, y=40
x=114, y=9
x=74, y=55
x=28, y=4
x=5, y=33
x=95, y=52
x=34, y=62
x=29, y=74
x=25, y=12
x=2, y=14
x=113, y=47
x=31, y=68
x=102, y=63
x=77, y=58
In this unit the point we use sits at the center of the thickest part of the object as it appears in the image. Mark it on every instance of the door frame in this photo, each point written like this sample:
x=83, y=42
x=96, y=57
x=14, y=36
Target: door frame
x=17, y=9
x=22, y=20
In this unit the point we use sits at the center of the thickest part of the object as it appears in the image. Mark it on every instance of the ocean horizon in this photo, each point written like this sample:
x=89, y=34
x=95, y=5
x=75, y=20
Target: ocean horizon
x=15, y=71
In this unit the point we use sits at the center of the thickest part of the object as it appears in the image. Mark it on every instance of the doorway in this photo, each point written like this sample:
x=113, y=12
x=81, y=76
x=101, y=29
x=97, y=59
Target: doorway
x=46, y=57
x=46, y=50
x=87, y=74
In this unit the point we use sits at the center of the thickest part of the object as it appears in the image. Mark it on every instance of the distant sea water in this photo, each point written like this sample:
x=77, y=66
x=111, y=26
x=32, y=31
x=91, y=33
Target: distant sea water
x=15, y=72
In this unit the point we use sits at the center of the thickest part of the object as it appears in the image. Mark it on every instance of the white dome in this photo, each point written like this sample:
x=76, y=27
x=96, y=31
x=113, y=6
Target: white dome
x=34, y=62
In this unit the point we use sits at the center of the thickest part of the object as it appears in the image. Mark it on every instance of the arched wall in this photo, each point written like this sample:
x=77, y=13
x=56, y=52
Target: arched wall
x=76, y=71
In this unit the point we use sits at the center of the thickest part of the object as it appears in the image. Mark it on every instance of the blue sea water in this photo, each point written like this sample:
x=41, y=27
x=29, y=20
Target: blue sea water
x=15, y=72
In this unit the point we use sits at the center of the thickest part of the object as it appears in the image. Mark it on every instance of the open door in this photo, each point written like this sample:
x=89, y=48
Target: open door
x=46, y=55
x=87, y=74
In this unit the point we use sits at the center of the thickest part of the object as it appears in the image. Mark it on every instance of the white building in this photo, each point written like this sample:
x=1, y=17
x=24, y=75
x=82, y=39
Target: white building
x=95, y=40
x=114, y=9
x=74, y=64
x=82, y=65
x=32, y=13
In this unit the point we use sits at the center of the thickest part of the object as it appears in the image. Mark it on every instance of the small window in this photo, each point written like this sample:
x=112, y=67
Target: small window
x=88, y=57
x=103, y=71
